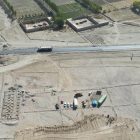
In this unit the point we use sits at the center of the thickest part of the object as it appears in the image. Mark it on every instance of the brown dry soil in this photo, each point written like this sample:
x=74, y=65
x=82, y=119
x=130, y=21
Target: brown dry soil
x=97, y=126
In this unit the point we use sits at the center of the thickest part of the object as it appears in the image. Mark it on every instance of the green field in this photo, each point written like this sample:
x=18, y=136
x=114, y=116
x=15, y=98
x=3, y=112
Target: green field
x=73, y=10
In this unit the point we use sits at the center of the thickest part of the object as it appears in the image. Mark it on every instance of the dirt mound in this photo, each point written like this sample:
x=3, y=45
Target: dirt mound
x=7, y=60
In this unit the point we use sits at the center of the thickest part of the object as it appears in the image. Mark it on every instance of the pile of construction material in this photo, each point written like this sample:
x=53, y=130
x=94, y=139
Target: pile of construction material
x=11, y=107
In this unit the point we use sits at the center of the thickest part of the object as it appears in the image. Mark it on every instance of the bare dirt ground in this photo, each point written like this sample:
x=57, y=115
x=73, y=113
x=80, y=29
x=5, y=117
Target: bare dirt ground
x=122, y=15
x=12, y=33
x=7, y=60
x=37, y=82
x=31, y=85
x=96, y=126
x=15, y=36
x=66, y=35
x=123, y=30
x=4, y=22
x=118, y=34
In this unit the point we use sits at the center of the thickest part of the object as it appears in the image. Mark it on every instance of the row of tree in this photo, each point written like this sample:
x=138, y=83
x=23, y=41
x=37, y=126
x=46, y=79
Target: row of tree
x=136, y=7
x=93, y=6
x=10, y=7
x=58, y=18
x=136, y=4
x=52, y=5
x=32, y=17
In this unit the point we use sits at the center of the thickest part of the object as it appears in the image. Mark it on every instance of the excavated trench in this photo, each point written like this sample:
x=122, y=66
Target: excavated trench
x=94, y=123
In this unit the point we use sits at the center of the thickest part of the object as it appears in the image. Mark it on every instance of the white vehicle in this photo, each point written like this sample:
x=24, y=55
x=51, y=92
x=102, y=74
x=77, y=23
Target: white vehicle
x=75, y=103
x=68, y=105
x=44, y=49
x=65, y=104
x=71, y=105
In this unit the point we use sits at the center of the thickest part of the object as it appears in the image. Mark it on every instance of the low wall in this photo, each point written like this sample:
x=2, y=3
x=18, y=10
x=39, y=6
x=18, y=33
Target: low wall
x=22, y=24
x=33, y=30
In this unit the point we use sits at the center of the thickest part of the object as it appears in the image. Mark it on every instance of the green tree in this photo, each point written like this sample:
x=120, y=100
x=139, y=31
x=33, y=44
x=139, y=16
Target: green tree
x=59, y=22
x=93, y=6
x=136, y=4
x=136, y=7
x=52, y=5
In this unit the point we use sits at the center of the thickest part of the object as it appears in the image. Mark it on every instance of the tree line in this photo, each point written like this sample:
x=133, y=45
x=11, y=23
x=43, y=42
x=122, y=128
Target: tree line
x=93, y=6
x=52, y=5
x=10, y=7
x=58, y=19
x=136, y=4
x=136, y=7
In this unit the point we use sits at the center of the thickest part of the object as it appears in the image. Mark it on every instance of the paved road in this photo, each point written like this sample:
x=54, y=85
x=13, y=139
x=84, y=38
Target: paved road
x=19, y=51
x=96, y=49
x=33, y=50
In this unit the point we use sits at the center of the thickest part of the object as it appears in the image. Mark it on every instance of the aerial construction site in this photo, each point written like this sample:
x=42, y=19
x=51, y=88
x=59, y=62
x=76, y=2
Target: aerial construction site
x=76, y=81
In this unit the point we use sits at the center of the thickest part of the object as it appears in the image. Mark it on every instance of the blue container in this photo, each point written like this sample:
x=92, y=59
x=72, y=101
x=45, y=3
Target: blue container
x=94, y=103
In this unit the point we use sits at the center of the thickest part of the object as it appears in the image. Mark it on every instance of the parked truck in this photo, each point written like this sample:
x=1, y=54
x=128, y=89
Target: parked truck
x=101, y=100
x=75, y=103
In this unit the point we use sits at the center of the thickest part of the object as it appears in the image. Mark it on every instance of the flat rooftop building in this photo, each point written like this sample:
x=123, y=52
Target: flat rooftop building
x=86, y=23
x=32, y=27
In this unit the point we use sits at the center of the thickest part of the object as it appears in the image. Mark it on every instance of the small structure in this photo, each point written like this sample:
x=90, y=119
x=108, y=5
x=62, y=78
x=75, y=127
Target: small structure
x=62, y=102
x=98, y=92
x=77, y=95
x=68, y=105
x=32, y=27
x=85, y=23
x=83, y=104
x=94, y=103
x=57, y=106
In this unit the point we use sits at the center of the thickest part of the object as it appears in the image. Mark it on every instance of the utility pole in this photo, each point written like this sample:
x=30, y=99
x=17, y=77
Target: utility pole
x=131, y=57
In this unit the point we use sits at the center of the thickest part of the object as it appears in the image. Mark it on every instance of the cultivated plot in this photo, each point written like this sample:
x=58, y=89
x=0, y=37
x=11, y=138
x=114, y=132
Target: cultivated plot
x=122, y=15
x=73, y=10
x=25, y=7
x=101, y=2
x=62, y=2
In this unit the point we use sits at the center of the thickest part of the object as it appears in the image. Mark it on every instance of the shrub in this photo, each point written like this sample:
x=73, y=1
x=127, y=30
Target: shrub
x=93, y=6
x=59, y=22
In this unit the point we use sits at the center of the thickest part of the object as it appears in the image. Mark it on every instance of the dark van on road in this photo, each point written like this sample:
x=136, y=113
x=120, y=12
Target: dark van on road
x=44, y=49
